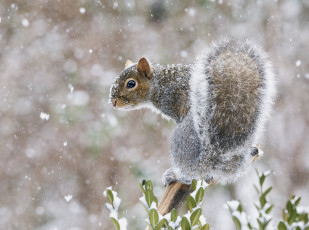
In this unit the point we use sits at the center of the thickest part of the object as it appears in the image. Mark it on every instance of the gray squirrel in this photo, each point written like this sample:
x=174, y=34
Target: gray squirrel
x=220, y=104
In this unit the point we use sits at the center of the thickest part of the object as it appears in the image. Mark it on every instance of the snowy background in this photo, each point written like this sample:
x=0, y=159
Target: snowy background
x=62, y=144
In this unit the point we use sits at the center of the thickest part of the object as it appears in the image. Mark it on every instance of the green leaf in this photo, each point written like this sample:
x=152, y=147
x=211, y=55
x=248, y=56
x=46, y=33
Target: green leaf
x=155, y=200
x=117, y=226
x=284, y=215
x=162, y=223
x=282, y=226
x=239, y=208
x=262, y=179
x=193, y=185
x=190, y=203
x=289, y=207
x=292, y=217
x=205, y=227
x=142, y=186
x=110, y=196
x=149, y=197
x=195, y=216
x=267, y=191
x=305, y=217
x=237, y=222
x=267, y=222
x=185, y=225
x=269, y=209
x=148, y=185
x=261, y=226
x=297, y=201
x=262, y=201
x=153, y=217
x=174, y=215
x=256, y=189
x=199, y=195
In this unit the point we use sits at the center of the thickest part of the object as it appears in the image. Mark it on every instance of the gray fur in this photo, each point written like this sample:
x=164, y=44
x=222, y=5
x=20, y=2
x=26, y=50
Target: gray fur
x=228, y=124
x=170, y=90
x=220, y=105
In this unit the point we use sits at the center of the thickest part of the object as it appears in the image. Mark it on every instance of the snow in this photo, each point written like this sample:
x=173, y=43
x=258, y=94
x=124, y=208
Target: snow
x=70, y=148
x=97, y=70
x=82, y=10
x=78, y=97
x=233, y=204
x=266, y=173
x=115, y=5
x=184, y=54
x=302, y=209
x=68, y=197
x=144, y=202
x=39, y=210
x=113, y=208
x=191, y=11
x=123, y=224
x=242, y=217
x=170, y=222
x=200, y=184
x=298, y=63
x=153, y=206
x=25, y=22
x=293, y=201
x=78, y=53
x=71, y=88
x=44, y=116
x=70, y=66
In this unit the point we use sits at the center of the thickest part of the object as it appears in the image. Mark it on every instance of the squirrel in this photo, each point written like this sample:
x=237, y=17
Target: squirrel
x=220, y=104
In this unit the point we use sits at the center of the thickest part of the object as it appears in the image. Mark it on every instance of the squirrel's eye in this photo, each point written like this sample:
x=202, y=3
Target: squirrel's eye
x=131, y=84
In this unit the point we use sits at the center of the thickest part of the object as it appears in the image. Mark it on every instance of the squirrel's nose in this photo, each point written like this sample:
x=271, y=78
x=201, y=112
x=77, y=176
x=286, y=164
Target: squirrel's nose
x=114, y=102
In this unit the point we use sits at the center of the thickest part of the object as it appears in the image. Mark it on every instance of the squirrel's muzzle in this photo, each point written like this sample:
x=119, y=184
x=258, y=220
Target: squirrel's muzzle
x=114, y=102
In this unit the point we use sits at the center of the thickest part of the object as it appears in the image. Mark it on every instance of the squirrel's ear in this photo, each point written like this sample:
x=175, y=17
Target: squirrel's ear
x=128, y=64
x=145, y=67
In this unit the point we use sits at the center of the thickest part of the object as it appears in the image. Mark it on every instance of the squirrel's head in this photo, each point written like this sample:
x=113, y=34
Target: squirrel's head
x=130, y=89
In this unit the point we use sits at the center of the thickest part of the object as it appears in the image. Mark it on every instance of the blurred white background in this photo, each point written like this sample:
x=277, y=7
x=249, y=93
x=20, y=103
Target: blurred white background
x=62, y=144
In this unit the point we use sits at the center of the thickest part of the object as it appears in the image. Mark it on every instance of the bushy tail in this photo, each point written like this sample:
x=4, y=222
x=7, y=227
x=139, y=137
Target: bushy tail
x=232, y=93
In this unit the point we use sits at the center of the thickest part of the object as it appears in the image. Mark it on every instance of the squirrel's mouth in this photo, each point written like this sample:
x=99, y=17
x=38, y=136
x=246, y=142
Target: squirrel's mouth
x=114, y=102
x=120, y=104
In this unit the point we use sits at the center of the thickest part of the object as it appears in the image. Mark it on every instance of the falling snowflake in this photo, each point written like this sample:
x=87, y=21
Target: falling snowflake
x=68, y=197
x=44, y=116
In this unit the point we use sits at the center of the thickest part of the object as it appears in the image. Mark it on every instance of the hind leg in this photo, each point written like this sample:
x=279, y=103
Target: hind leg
x=185, y=151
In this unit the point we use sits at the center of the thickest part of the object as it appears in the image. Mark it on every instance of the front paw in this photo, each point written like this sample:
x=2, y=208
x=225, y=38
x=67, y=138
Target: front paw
x=169, y=177
x=174, y=175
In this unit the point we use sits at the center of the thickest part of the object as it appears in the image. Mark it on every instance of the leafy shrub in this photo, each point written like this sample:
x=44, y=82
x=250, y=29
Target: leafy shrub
x=294, y=217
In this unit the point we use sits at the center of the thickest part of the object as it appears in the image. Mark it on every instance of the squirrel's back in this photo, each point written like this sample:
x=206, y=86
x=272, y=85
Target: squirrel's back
x=232, y=91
